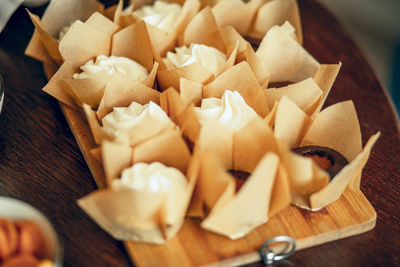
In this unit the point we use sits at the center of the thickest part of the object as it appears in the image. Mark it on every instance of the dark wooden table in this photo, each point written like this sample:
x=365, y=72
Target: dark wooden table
x=40, y=162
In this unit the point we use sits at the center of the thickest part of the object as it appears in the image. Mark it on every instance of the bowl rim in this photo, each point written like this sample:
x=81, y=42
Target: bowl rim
x=39, y=216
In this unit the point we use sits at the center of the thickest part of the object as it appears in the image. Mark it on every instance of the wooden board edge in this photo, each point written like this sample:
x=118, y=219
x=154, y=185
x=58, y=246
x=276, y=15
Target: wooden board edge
x=94, y=166
x=255, y=256
x=307, y=242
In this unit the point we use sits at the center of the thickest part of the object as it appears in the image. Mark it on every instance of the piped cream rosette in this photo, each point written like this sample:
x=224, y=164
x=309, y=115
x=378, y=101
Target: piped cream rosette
x=165, y=19
x=104, y=53
x=144, y=200
x=57, y=18
x=208, y=57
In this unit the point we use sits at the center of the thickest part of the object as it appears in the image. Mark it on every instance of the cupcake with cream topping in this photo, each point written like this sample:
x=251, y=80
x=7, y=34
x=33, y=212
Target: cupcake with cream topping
x=156, y=179
x=201, y=54
x=165, y=20
x=130, y=125
x=220, y=119
x=165, y=190
x=101, y=55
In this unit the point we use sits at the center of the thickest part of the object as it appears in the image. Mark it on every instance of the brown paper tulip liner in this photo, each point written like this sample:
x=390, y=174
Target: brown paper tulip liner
x=279, y=57
x=180, y=106
x=252, y=149
x=202, y=29
x=43, y=45
x=276, y=12
x=84, y=42
x=284, y=58
x=254, y=18
x=163, y=40
x=120, y=210
x=336, y=127
x=310, y=94
x=224, y=209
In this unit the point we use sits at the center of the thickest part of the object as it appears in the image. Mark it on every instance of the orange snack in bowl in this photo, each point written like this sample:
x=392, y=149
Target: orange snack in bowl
x=31, y=239
x=21, y=260
x=4, y=246
x=22, y=244
x=11, y=234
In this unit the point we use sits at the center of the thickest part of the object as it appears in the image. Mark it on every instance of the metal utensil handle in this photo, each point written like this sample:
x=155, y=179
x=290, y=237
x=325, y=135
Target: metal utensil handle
x=268, y=256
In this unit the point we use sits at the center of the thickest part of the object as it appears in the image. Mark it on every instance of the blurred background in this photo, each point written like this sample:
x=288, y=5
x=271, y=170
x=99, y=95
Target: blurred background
x=375, y=26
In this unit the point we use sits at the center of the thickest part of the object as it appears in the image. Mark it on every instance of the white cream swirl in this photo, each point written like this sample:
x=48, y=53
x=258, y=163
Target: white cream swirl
x=126, y=118
x=208, y=57
x=156, y=178
x=230, y=110
x=161, y=14
x=111, y=64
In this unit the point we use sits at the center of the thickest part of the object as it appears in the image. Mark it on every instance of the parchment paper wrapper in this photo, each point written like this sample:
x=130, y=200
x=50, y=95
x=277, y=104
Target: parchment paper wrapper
x=85, y=41
x=257, y=66
x=276, y=12
x=163, y=41
x=229, y=212
x=245, y=52
x=43, y=45
x=190, y=92
x=121, y=92
x=129, y=214
x=183, y=115
x=142, y=131
x=217, y=138
x=242, y=79
x=306, y=94
x=309, y=94
x=211, y=3
x=236, y=13
x=284, y=58
x=231, y=37
x=202, y=29
x=336, y=127
x=238, y=78
x=166, y=147
x=240, y=149
x=251, y=143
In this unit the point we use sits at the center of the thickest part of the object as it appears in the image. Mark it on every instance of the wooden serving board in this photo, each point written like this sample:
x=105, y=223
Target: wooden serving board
x=352, y=214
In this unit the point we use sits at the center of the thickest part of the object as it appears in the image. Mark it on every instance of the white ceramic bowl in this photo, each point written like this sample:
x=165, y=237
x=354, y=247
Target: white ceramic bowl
x=14, y=209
